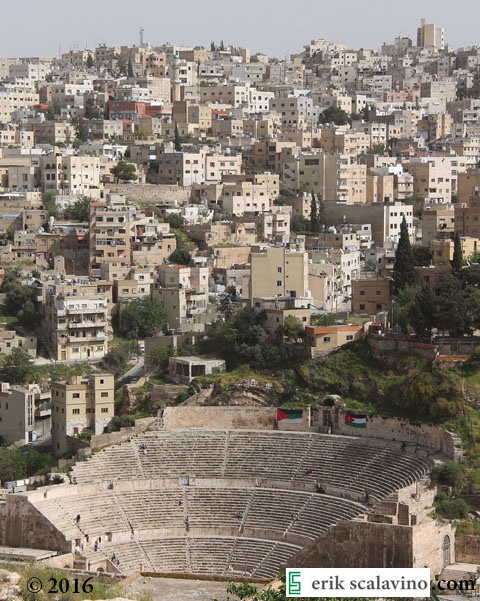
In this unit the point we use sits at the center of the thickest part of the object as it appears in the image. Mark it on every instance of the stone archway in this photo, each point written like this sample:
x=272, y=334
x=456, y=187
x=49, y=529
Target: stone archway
x=446, y=551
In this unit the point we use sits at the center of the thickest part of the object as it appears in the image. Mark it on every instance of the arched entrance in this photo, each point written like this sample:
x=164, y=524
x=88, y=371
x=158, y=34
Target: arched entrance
x=446, y=551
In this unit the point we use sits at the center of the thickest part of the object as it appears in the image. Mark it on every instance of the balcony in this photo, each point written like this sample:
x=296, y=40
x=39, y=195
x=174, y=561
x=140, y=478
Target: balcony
x=92, y=338
x=99, y=323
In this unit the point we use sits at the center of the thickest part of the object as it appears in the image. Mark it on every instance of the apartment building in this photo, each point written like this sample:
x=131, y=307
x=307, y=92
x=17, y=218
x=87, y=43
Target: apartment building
x=442, y=250
x=15, y=97
x=151, y=241
x=371, y=295
x=432, y=179
x=332, y=177
x=232, y=95
x=468, y=189
x=437, y=222
x=80, y=405
x=17, y=414
x=109, y=240
x=71, y=175
x=181, y=168
x=385, y=218
x=277, y=272
x=76, y=320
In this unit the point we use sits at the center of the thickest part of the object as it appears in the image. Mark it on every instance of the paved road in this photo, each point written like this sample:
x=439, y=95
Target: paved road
x=135, y=372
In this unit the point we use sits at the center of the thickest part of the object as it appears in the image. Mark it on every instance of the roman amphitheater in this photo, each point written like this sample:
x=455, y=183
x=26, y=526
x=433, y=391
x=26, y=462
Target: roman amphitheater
x=222, y=492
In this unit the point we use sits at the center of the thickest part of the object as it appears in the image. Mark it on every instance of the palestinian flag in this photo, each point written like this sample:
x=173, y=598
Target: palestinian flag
x=293, y=416
x=356, y=420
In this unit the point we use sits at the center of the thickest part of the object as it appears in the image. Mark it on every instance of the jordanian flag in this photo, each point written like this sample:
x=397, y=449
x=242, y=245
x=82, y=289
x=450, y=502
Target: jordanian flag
x=292, y=415
x=356, y=420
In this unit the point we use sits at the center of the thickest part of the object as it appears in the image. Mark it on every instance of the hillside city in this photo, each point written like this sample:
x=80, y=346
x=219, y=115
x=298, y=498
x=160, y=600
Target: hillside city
x=148, y=192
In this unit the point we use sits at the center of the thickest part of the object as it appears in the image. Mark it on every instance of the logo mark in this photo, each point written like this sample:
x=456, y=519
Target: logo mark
x=294, y=583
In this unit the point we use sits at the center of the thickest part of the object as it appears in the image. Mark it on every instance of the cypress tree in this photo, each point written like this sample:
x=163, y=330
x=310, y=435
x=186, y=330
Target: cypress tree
x=457, y=260
x=403, y=269
x=178, y=144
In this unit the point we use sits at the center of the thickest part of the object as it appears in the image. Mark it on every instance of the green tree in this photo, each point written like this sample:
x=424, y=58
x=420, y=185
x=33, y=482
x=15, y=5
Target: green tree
x=16, y=368
x=116, y=360
x=81, y=129
x=177, y=142
x=334, y=114
x=79, y=210
x=314, y=223
x=10, y=233
x=180, y=256
x=422, y=255
x=377, y=148
x=48, y=199
x=141, y=318
x=18, y=300
x=54, y=108
x=124, y=171
x=423, y=314
x=159, y=358
x=323, y=320
x=403, y=269
x=292, y=330
x=91, y=111
x=175, y=220
x=130, y=73
x=457, y=261
x=453, y=310
x=299, y=223
x=12, y=465
x=90, y=62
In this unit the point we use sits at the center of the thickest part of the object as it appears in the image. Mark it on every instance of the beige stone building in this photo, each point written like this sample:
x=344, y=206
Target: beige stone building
x=76, y=320
x=71, y=175
x=10, y=339
x=332, y=177
x=324, y=340
x=277, y=272
x=437, y=222
x=442, y=250
x=79, y=405
x=370, y=295
x=110, y=236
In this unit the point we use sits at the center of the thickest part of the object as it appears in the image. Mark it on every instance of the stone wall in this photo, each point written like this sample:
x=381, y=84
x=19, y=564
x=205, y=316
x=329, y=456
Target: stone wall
x=103, y=440
x=359, y=545
x=219, y=418
x=428, y=540
x=27, y=527
x=467, y=549
x=153, y=193
x=379, y=345
x=391, y=428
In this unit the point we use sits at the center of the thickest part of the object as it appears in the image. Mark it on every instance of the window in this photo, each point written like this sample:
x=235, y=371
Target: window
x=102, y=381
x=362, y=307
x=349, y=337
x=326, y=339
x=279, y=282
x=279, y=269
x=104, y=409
x=104, y=394
x=76, y=411
x=76, y=395
x=362, y=292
